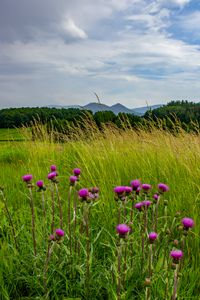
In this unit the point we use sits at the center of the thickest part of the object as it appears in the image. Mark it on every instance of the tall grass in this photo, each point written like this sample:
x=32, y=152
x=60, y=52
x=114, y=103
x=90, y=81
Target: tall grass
x=107, y=158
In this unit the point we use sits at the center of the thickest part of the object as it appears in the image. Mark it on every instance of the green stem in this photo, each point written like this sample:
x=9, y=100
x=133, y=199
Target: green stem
x=119, y=270
x=69, y=220
x=59, y=205
x=174, y=295
x=33, y=219
x=53, y=208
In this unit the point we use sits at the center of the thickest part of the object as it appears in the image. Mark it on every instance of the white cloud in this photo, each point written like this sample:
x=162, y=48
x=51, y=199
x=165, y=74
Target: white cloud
x=73, y=30
x=121, y=49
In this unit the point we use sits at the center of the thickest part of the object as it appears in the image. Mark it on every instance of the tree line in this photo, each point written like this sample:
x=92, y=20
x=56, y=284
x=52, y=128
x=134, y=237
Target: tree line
x=187, y=114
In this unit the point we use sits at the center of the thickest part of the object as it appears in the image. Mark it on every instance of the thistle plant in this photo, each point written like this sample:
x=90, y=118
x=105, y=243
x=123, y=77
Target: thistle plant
x=27, y=179
x=84, y=198
x=57, y=237
x=152, y=239
x=52, y=177
x=42, y=189
x=176, y=255
x=122, y=230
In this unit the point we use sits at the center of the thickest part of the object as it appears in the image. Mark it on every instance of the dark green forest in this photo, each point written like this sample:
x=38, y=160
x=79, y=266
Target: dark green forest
x=186, y=113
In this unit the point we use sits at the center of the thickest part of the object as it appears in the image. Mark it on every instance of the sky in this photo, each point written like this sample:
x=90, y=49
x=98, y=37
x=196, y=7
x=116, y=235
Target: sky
x=135, y=52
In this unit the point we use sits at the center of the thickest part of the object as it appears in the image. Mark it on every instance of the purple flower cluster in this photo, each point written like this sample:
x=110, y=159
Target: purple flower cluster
x=140, y=205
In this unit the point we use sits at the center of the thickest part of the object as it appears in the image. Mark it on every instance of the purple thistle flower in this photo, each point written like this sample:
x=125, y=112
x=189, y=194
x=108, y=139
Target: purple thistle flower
x=139, y=205
x=122, y=229
x=156, y=197
x=163, y=187
x=72, y=179
x=119, y=190
x=40, y=183
x=53, y=168
x=176, y=254
x=52, y=175
x=138, y=190
x=146, y=203
x=59, y=232
x=27, y=178
x=153, y=236
x=146, y=187
x=83, y=193
x=128, y=189
x=77, y=171
x=135, y=184
x=187, y=223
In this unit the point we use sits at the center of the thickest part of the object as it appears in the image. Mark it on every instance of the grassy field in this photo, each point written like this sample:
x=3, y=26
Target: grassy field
x=10, y=135
x=114, y=158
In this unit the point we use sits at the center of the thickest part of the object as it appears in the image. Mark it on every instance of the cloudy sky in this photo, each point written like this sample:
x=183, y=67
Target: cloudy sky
x=129, y=51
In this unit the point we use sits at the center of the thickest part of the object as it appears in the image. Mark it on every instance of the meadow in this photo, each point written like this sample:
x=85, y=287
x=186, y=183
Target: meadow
x=107, y=159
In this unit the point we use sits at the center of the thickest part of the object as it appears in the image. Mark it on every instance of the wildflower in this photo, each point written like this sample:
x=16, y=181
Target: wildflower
x=139, y=205
x=176, y=255
x=156, y=197
x=59, y=233
x=122, y=230
x=135, y=184
x=138, y=190
x=27, y=178
x=163, y=187
x=187, y=223
x=128, y=189
x=72, y=180
x=119, y=190
x=40, y=183
x=52, y=175
x=146, y=187
x=83, y=194
x=152, y=236
x=146, y=203
x=77, y=171
x=53, y=168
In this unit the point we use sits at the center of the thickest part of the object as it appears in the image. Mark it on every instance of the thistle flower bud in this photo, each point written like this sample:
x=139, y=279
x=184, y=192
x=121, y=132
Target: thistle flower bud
x=83, y=194
x=77, y=172
x=163, y=188
x=53, y=168
x=146, y=187
x=122, y=230
x=135, y=184
x=176, y=255
x=187, y=223
x=139, y=206
x=59, y=233
x=27, y=178
x=52, y=176
x=152, y=237
x=72, y=180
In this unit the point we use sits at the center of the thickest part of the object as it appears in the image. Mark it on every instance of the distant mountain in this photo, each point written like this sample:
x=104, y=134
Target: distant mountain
x=142, y=110
x=116, y=108
x=94, y=107
x=119, y=108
